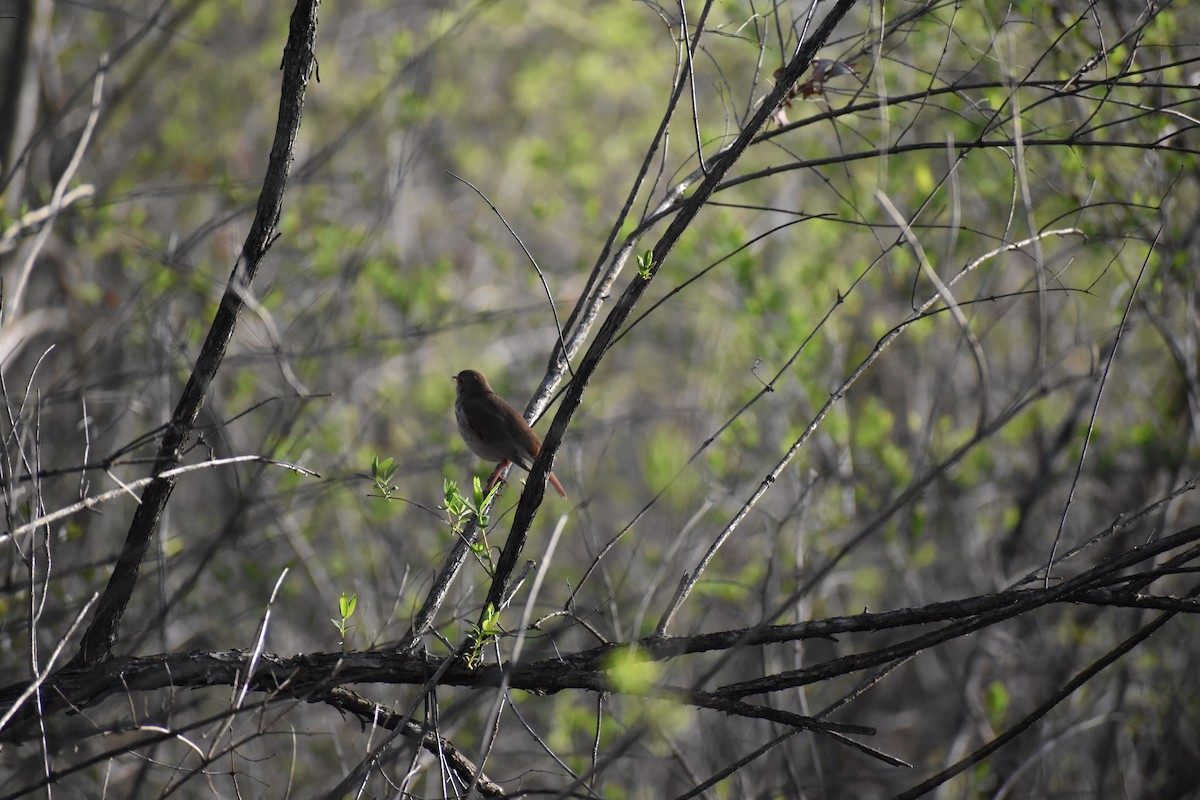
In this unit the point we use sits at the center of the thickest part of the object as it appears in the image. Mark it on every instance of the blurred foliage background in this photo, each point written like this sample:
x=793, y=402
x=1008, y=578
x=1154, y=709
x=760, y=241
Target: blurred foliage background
x=392, y=274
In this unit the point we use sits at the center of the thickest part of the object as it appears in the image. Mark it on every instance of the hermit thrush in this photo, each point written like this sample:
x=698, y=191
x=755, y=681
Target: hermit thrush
x=492, y=428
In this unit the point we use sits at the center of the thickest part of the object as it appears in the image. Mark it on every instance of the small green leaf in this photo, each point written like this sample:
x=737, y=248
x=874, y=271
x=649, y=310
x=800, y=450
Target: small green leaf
x=996, y=701
x=383, y=470
x=491, y=621
x=456, y=504
x=645, y=262
x=346, y=605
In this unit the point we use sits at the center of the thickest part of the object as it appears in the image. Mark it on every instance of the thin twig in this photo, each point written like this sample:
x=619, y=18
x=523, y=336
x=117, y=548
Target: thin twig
x=126, y=488
x=1087, y=437
x=536, y=268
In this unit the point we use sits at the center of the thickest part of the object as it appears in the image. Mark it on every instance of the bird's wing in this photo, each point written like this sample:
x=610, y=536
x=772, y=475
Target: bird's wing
x=491, y=426
x=524, y=439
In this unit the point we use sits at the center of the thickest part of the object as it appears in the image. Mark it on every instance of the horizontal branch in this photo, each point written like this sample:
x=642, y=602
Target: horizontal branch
x=314, y=676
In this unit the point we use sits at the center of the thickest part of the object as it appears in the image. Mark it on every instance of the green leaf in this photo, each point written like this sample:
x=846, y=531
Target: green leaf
x=347, y=604
x=996, y=701
x=645, y=263
x=491, y=621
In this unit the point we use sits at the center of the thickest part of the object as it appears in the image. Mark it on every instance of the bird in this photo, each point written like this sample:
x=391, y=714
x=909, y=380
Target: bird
x=492, y=428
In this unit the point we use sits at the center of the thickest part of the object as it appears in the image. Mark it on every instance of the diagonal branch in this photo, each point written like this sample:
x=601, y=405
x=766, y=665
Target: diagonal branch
x=535, y=488
x=299, y=61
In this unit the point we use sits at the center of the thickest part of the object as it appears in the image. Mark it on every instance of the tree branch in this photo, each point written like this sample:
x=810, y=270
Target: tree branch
x=299, y=62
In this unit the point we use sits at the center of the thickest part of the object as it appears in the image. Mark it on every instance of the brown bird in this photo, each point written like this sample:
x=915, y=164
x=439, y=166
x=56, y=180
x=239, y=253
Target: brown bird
x=493, y=429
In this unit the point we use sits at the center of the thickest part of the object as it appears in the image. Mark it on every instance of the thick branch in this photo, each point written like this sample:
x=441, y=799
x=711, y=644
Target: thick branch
x=315, y=677
x=535, y=487
x=299, y=60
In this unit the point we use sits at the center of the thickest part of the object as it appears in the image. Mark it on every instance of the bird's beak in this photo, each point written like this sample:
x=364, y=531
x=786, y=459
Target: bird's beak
x=454, y=378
